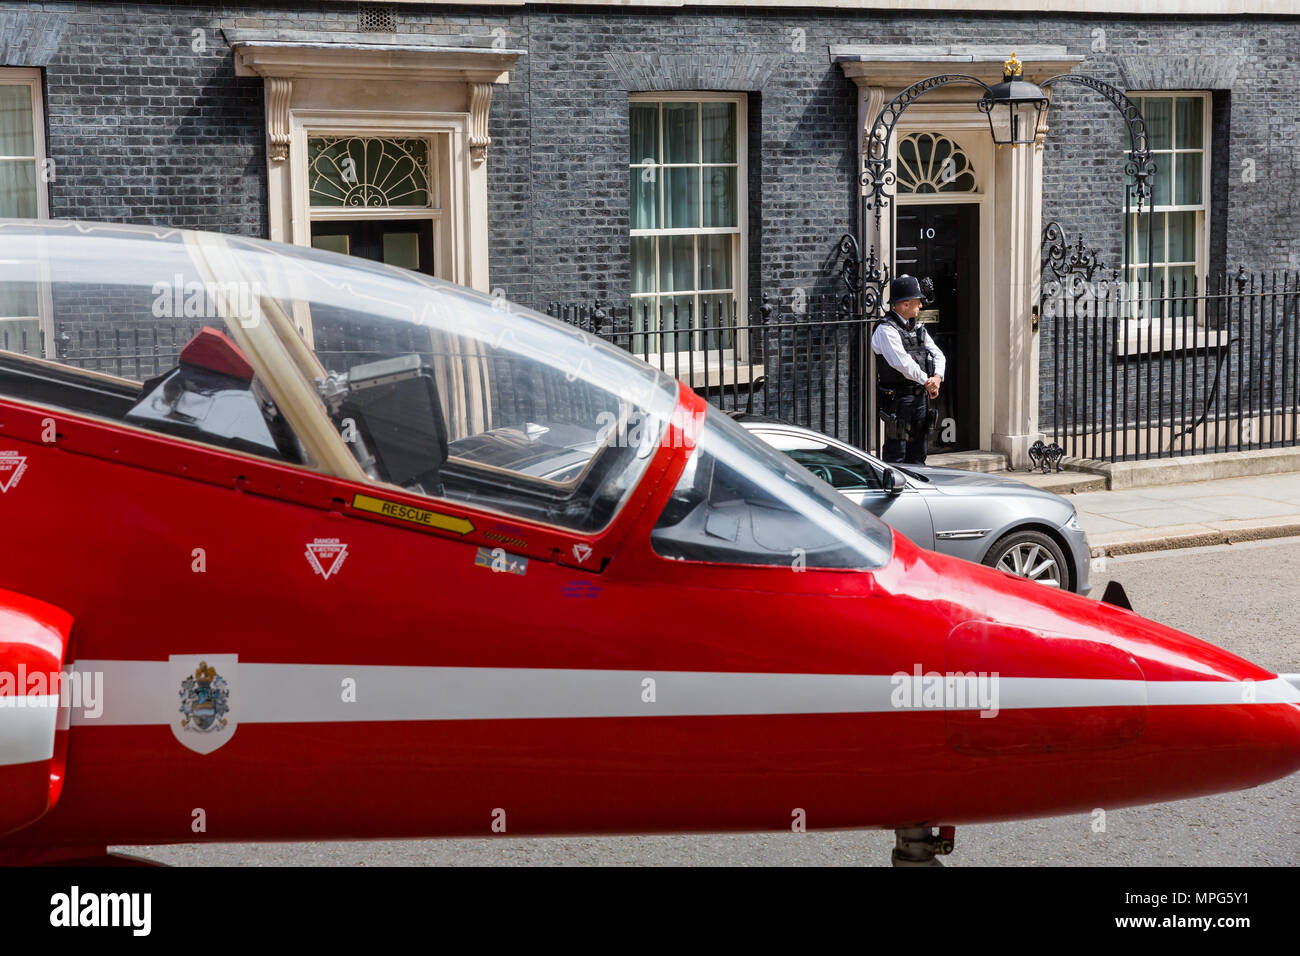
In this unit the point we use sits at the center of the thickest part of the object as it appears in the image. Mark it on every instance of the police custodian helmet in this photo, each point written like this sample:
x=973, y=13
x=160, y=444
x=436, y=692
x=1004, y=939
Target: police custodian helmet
x=905, y=287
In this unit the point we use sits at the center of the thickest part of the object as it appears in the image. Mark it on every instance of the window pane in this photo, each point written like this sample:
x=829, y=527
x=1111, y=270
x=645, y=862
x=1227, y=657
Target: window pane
x=1182, y=236
x=1140, y=237
x=643, y=264
x=1158, y=113
x=682, y=198
x=717, y=308
x=1188, y=122
x=1177, y=276
x=645, y=197
x=1189, y=179
x=907, y=157
x=361, y=171
x=716, y=316
x=1178, y=289
x=715, y=262
x=676, y=263
x=1160, y=185
x=644, y=133
x=1161, y=286
x=681, y=133
x=332, y=243
x=719, y=196
x=16, y=121
x=719, y=132
x=939, y=152
x=402, y=249
x=18, y=189
x=644, y=314
x=678, y=314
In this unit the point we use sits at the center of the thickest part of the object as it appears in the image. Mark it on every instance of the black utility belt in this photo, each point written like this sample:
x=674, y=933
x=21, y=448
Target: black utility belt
x=908, y=389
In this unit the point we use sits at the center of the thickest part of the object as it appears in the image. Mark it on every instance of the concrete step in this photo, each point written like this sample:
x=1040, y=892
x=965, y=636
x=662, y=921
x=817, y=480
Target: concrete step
x=982, y=461
x=1064, y=482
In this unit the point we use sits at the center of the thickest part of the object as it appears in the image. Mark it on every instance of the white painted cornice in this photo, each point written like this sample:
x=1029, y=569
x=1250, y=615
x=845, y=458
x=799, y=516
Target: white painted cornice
x=1149, y=8
x=297, y=55
x=895, y=66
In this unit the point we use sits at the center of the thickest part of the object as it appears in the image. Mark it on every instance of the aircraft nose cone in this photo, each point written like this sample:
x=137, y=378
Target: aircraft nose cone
x=1222, y=723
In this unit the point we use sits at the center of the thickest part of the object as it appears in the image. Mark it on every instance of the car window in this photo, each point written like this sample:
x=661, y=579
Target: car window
x=840, y=469
x=837, y=469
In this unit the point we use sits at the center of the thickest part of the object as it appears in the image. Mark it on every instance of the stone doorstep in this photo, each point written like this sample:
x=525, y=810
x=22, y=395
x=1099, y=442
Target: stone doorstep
x=985, y=462
x=990, y=463
x=1121, y=475
x=1062, y=482
x=1170, y=537
x=1079, y=475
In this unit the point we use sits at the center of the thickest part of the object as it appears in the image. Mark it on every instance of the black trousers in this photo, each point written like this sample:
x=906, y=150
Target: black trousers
x=911, y=410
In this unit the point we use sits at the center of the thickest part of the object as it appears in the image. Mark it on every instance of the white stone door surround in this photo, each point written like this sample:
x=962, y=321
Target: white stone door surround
x=357, y=84
x=1010, y=190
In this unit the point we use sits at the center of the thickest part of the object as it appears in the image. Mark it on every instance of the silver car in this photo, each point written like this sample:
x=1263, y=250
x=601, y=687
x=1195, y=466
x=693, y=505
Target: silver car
x=983, y=518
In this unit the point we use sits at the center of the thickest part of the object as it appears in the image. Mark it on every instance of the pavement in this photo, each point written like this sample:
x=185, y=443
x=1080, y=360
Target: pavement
x=1184, y=515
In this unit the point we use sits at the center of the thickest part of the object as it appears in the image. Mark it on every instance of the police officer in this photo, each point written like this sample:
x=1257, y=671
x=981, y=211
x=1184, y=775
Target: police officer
x=910, y=371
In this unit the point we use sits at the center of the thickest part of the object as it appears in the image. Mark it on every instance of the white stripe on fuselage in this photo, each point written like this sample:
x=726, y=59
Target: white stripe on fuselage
x=144, y=693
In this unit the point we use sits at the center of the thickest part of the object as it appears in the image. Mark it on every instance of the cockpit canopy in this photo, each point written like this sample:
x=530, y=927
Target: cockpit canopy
x=375, y=374
x=351, y=367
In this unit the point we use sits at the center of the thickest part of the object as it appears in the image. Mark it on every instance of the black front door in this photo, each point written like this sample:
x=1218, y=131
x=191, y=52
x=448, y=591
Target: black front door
x=398, y=242
x=942, y=242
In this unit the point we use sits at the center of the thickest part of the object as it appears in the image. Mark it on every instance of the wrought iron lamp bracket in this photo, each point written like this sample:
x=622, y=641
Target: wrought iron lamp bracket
x=1140, y=165
x=865, y=279
x=878, y=175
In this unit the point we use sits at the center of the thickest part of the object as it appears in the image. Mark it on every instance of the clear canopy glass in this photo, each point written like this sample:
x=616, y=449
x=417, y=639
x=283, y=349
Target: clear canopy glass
x=360, y=369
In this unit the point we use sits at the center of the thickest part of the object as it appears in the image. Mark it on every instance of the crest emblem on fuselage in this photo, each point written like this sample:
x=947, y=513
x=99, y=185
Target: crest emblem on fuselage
x=326, y=556
x=206, y=716
x=12, y=466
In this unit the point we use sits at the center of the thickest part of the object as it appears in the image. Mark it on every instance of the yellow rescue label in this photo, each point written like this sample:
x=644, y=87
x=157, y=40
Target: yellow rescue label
x=420, y=516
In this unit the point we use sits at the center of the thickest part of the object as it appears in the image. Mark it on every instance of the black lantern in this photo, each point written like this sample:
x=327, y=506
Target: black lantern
x=1022, y=104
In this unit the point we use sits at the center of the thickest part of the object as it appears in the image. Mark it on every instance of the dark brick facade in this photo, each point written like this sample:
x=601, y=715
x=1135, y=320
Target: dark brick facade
x=146, y=122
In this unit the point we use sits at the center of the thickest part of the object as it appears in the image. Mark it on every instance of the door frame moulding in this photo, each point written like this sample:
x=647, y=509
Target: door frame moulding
x=322, y=81
x=1010, y=220
x=966, y=132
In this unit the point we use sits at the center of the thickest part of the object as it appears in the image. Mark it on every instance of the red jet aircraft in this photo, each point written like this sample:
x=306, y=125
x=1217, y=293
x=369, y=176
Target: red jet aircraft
x=366, y=555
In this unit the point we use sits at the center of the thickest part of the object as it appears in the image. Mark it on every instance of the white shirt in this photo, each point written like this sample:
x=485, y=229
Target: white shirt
x=887, y=343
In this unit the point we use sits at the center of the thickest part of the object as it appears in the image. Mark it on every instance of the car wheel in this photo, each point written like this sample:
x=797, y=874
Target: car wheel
x=1032, y=555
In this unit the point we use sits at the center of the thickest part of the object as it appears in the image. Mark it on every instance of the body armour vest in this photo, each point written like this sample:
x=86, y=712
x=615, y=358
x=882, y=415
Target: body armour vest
x=913, y=345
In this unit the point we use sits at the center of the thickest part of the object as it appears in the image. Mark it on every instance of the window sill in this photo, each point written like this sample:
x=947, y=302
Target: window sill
x=707, y=374
x=1177, y=337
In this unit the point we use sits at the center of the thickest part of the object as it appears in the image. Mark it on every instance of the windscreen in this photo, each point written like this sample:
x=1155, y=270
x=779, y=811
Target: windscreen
x=741, y=502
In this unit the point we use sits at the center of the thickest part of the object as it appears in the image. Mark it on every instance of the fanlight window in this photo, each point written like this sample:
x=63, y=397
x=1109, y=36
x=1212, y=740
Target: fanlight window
x=367, y=171
x=931, y=163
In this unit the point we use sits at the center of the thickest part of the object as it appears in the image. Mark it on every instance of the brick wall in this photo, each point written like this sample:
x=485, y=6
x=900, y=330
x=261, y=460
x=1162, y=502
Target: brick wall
x=147, y=125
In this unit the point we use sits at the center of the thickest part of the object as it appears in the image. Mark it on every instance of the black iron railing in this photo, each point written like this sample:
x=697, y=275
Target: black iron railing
x=1165, y=370
x=805, y=368
x=135, y=350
